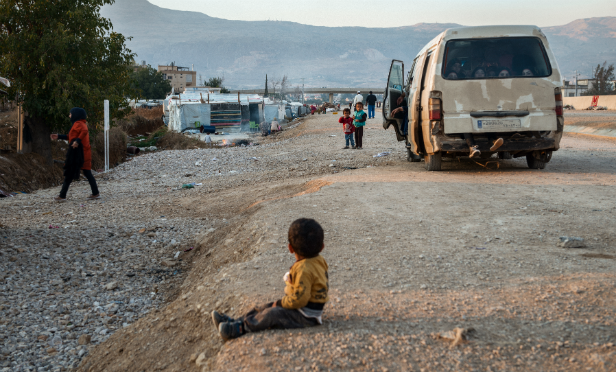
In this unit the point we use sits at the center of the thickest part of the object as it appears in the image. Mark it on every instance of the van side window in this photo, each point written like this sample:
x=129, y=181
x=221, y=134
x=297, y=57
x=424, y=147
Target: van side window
x=495, y=58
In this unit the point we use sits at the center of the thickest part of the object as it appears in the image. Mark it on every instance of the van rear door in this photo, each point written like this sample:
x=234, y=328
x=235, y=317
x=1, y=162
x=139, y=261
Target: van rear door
x=503, y=84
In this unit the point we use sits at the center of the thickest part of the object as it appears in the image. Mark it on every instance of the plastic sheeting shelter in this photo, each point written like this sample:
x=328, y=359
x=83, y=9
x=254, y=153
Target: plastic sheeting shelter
x=189, y=116
x=189, y=111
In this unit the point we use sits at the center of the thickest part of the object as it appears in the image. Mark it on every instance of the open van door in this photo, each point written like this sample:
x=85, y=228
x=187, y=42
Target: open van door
x=395, y=87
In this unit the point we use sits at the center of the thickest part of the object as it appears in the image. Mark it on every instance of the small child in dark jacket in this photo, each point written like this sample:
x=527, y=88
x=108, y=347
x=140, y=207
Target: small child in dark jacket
x=347, y=126
x=306, y=289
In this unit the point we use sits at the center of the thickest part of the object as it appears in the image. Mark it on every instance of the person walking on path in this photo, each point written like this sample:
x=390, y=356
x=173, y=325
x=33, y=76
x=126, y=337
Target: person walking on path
x=358, y=99
x=347, y=126
x=78, y=135
x=359, y=120
x=371, y=102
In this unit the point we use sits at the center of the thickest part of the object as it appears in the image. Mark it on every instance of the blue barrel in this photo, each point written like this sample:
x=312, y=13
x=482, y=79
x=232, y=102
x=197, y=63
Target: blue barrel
x=208, y=129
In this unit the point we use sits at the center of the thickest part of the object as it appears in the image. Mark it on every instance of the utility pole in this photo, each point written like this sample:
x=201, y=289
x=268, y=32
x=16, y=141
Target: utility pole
x=576, y=85
x=303, y=91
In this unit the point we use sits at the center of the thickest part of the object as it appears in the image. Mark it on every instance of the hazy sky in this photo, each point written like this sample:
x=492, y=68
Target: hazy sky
x=392, y=13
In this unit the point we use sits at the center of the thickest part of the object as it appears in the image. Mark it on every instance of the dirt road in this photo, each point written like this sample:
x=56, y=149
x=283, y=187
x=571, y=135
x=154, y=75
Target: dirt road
x=412, y=255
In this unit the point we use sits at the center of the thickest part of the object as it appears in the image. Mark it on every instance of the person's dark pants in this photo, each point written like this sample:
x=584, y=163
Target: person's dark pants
x=89, y=176
x=359, y=134
x=370, y=111
x=470, y=140
x=267, y=317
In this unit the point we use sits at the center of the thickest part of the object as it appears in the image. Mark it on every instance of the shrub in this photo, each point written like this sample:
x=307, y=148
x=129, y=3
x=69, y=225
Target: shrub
x=118, y=141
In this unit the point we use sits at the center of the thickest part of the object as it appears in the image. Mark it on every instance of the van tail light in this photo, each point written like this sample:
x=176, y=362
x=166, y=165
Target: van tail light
x=559, y=101
x=435, y=106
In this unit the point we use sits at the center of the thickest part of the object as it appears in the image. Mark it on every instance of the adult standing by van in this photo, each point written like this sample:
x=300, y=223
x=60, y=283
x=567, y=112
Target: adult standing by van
x=358, y=99
x=371, y=103
x=78, y=133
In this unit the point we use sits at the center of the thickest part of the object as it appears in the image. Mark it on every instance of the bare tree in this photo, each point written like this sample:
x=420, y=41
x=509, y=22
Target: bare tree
x=274, y=83
x=200, y=80
x=283, y=86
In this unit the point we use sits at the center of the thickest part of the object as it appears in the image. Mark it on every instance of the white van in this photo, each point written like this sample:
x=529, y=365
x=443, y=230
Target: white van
x=477, y=84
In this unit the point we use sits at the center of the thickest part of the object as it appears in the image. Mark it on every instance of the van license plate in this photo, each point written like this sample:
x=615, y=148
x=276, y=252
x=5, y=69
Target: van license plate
x=491, y=124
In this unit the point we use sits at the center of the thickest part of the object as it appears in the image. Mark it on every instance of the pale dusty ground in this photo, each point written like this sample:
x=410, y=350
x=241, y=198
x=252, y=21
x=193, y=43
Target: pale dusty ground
x=412, y=254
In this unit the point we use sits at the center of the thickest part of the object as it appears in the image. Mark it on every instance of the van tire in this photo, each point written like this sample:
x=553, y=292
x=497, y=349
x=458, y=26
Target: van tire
x=505, y=155
x=534, y=163
x=433, y=162
x=412, y=157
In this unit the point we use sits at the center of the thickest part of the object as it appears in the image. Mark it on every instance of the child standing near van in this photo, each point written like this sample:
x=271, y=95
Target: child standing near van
x=306, y=291
x=347, y=126
x=359, y=120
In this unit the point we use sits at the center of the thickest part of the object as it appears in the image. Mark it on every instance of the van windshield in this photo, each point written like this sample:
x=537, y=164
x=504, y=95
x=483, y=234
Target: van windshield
x=497, y=58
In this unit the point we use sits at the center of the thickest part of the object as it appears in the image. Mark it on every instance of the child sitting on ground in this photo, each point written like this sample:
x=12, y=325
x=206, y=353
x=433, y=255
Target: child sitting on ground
x=347, y=126
x=305, y=292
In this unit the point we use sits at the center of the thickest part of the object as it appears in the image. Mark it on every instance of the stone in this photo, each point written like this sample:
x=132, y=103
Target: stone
x=111, y=286
x=571, y=242
x=51, y=350
x=168, y=263
x=84, y=339
x=201, y=360
x=42, y=337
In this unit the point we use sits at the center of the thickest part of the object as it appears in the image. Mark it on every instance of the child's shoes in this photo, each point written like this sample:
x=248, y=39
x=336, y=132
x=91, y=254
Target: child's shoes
x=354, y=147
x=218, y=318
x=230, y=330
x=346, y=147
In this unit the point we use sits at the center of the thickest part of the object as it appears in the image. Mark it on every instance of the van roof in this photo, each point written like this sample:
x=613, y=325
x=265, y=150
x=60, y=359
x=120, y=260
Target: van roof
x=483, y=32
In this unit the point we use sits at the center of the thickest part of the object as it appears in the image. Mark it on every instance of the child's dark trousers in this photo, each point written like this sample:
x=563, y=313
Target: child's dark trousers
x=267, y=317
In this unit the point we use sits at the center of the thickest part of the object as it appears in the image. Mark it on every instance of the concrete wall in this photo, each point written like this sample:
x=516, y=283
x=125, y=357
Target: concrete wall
x=581, y=103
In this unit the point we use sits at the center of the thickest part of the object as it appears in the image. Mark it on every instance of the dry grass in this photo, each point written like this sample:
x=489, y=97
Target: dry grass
x=152, y=114
x=142, y=121
x=118, y=141
x=178, y=141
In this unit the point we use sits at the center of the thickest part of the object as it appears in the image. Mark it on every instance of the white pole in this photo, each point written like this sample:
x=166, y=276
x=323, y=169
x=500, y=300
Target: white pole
x=106, y=136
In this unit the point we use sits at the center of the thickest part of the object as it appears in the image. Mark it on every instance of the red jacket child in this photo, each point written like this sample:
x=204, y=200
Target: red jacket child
x=347, y=124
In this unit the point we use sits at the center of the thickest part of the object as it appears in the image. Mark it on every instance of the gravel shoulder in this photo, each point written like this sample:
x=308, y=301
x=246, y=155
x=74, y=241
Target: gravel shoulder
x=412, y=255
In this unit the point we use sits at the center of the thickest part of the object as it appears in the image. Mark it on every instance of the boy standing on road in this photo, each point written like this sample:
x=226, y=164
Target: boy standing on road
x=306, y=289
x=359, y=122
x=347, y=126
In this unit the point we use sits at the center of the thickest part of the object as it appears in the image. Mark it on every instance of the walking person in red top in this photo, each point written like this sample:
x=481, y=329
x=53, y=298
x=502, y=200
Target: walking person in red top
x=347, y=125
x=77, y=136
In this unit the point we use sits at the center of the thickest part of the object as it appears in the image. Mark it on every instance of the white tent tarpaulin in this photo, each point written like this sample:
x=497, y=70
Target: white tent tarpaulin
x=189, y=116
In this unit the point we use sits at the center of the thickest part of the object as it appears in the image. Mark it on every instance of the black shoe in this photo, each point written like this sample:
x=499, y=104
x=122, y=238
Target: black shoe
x=230, y=330
x=218, y=318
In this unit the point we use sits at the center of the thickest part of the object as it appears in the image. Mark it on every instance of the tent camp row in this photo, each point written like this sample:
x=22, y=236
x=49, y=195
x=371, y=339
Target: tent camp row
x=223, y=111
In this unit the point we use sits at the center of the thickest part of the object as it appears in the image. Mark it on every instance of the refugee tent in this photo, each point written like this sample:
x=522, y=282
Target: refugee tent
x=194, y=109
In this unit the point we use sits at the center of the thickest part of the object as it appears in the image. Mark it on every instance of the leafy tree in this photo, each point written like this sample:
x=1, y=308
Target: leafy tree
x=149, y=83
x=217, y=83
x=604, y=81
x=60, y=54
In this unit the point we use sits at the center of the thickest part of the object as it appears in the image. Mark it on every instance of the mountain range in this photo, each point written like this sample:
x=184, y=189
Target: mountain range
x=244, y=51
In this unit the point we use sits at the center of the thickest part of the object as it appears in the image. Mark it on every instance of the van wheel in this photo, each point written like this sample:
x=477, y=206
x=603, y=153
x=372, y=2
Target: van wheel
x=412, y=157
x=534, y=163
x=505, y=155
x=433, y=162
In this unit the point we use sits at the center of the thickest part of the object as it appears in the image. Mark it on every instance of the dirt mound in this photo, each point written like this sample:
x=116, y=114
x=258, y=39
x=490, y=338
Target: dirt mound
x=27, y=172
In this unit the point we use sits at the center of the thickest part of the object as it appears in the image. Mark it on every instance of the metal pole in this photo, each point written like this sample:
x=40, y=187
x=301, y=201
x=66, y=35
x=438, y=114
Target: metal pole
x=20, y=130
x=576, y=78
x=302, y=91
x=106, y=136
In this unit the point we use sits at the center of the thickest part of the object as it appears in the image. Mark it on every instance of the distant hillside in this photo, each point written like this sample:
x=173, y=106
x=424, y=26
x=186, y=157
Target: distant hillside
x=326, y=56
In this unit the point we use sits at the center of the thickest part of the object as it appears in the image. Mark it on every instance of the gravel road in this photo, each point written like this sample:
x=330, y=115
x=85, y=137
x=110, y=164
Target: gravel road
x=412, y=255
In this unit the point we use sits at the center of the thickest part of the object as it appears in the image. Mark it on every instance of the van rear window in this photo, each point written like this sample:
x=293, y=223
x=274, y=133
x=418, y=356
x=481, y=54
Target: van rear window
x=497, y=58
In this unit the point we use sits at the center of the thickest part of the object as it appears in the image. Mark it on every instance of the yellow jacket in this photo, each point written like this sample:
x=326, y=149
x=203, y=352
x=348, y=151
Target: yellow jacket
x=308, y=282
